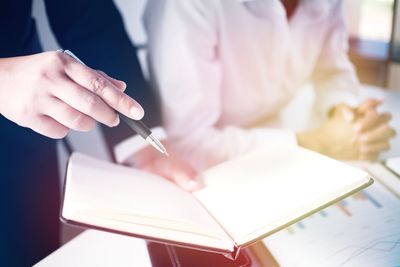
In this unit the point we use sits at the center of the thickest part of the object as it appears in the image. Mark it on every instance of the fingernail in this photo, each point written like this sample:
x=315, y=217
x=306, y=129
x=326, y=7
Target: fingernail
x=137, y=113
x=123, y=85
x=116, y=122
x=192, y=185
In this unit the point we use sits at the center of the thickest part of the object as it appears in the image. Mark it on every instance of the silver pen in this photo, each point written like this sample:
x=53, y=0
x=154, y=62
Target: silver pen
x=138, y=126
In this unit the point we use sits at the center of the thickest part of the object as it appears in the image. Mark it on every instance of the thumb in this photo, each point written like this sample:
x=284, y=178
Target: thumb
x=345, y=112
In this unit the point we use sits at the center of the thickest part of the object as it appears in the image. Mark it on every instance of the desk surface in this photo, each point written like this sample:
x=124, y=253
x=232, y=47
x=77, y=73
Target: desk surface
x=95, y=248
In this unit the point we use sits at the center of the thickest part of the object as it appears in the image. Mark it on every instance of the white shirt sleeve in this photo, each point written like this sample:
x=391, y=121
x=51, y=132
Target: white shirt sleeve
x=184, y=61
x=334, y=76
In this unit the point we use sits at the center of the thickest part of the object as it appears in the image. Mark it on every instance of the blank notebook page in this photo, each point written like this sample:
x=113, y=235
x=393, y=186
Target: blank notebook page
x=128, y=200
x=263, y=190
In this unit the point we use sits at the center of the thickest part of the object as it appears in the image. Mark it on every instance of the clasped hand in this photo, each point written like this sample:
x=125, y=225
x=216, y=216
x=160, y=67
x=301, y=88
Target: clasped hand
x=352, y=133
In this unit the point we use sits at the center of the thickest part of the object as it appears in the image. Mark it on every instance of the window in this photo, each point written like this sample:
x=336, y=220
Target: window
x=395, y=55
x=370, y=19
x=370, y=25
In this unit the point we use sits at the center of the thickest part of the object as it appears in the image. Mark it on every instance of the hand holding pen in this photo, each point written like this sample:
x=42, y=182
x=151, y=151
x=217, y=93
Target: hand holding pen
x=52, y=93
x=138, y=126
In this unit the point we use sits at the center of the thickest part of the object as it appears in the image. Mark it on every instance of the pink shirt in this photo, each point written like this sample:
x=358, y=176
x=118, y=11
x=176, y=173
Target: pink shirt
x=223, y=66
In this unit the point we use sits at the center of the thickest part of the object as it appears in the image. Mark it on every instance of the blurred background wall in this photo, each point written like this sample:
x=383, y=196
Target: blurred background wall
x=374, y=27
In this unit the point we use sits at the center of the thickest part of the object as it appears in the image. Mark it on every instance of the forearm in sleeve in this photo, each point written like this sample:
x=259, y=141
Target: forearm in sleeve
x=334, y=77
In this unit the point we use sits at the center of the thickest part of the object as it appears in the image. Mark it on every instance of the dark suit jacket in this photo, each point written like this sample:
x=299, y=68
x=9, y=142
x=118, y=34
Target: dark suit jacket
x=93, y=30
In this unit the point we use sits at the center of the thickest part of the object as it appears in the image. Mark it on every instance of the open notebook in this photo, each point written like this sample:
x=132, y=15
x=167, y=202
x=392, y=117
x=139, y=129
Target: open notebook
x=244, y=199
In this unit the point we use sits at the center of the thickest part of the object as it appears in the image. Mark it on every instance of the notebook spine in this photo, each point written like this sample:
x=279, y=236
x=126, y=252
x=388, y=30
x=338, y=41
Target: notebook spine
x=234, y=254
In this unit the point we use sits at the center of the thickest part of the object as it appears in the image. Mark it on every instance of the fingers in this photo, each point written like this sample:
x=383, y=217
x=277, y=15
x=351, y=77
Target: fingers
x=369, y=104
x=102, y=87
x=375, y=148
x=170, y=167
x=86, y=102
x=368, y=156
x=379, y=134
x=49, y=127
x=185, y=179
x=177, y=172
x=372, y=120
x=371, y=152
x=374, y=142
x=117, y=83
x=68, y=116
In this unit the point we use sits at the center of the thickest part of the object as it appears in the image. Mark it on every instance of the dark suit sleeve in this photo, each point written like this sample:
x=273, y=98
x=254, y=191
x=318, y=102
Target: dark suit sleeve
x=94, y=31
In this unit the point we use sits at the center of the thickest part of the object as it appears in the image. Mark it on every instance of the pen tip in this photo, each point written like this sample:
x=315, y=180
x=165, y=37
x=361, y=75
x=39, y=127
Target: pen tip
x=157, y=144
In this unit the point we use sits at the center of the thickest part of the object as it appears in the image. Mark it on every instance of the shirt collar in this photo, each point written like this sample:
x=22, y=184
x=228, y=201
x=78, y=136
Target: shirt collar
x=316, y=8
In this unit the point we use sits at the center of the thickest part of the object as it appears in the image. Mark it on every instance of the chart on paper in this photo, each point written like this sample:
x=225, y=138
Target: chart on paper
x=362, y=230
